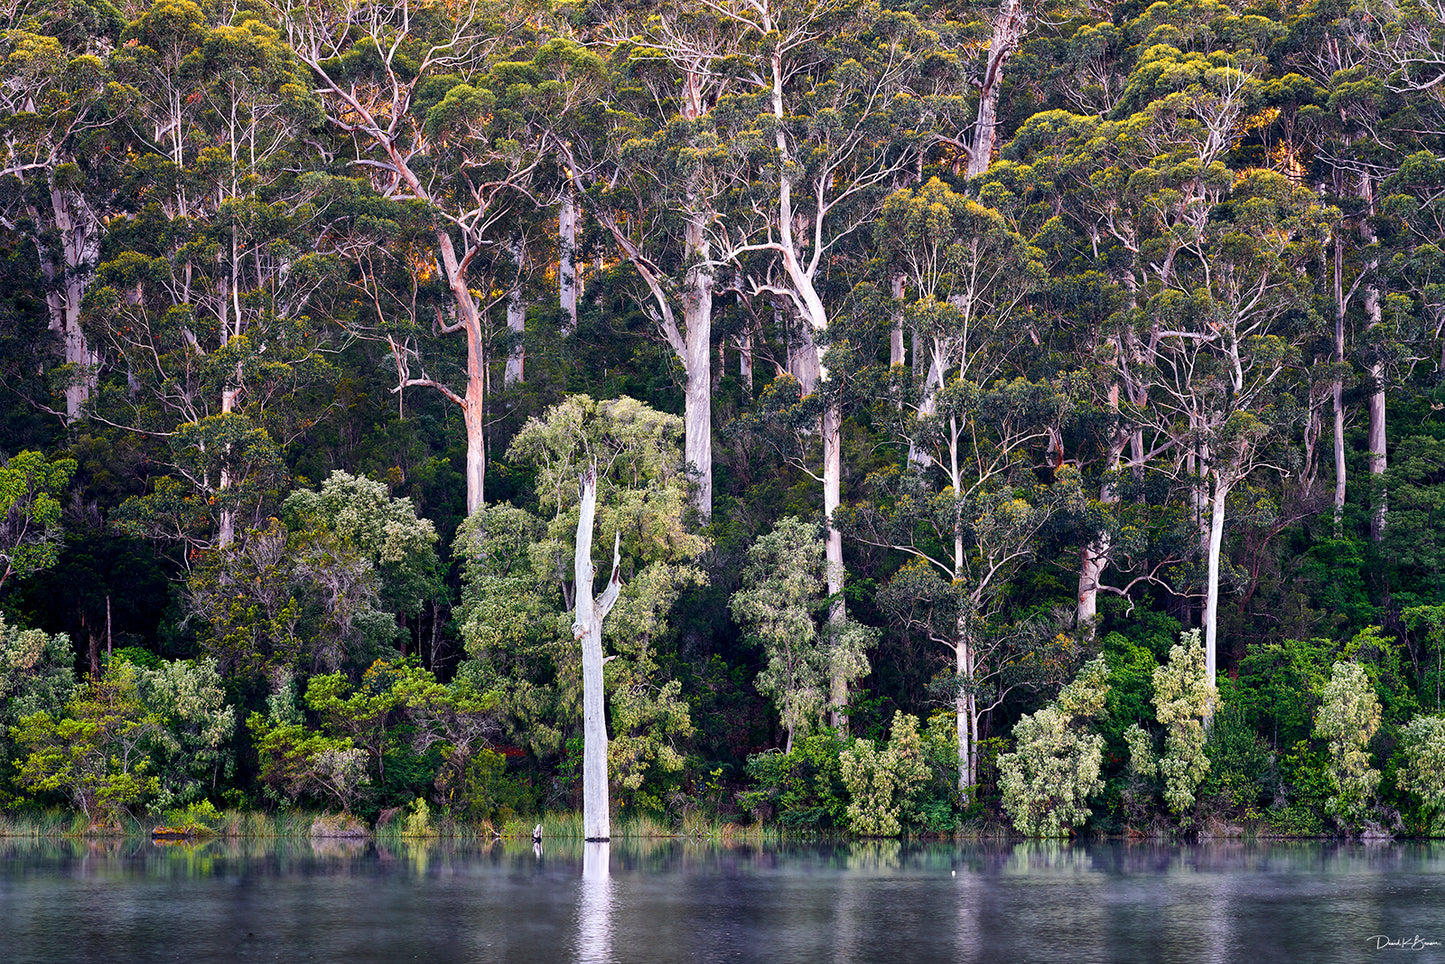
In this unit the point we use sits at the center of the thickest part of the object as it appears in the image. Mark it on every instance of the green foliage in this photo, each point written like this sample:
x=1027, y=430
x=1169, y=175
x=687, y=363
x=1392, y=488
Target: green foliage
x=1348, y=716
x=94, y=756
x=1184, y=701
x=782, y=603
x=801, y=790
x=882, y=784
x=1424, y=770
x=30, y=491
x=1054, y=769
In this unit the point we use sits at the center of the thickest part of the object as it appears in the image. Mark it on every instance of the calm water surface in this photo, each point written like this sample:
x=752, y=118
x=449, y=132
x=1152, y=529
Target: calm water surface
x=667, y=901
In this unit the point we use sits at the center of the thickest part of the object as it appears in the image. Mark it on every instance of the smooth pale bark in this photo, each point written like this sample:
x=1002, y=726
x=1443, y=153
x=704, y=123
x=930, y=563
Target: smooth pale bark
x=1009, y=25
x=588, y=615
x=896, y=354
x=697, y=365
x=691, y=344
x=567, y=256
x=1376, y=437
x=1337, y=389
x=1095, y=555
x=467, y=313
x=516, y=320
x=1222, y=486
x=79, y=230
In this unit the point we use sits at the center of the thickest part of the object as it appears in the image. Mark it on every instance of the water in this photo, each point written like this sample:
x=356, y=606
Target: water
x=667, y=901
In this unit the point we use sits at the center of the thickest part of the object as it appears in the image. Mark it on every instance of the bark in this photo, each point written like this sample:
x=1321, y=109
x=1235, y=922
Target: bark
x=697, y=365
x=1095, y=555
x=1008, y=30
x=833, y=549
x=79, y=230
x=567, y=257
x=516, y=320
x=473, y=402
x=1337, y=389
x=1376, y=435
x=587, y=630
x=1211, y=599
x=896, y=354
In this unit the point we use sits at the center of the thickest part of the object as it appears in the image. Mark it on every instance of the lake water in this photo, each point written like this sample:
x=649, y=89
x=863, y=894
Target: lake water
x=672, y=900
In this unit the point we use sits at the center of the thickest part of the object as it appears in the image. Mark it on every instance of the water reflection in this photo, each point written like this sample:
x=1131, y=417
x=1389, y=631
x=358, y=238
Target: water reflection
x=683, y=900
x=594, y=905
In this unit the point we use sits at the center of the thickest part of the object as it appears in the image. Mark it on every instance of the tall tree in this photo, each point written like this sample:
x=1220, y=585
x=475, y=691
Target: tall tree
x=406, y=86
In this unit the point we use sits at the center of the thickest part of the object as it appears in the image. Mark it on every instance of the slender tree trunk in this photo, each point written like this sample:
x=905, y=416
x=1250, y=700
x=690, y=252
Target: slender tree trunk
x=587, y=630
x=1095, y=554
x=963, y=707
x=697, y=397
x=896, y=355
x=1009, y=25
x=1376, y=438
x=833, y=548
x=473, y=402
x=1211, y=597
x=567, y=256
x=1337, y=388
x=79, y=230
x=516, y=319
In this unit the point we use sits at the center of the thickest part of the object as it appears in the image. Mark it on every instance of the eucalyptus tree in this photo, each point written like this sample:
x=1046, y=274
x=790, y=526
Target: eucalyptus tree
x=613, y=466
x=59, y=177
x=826, y=113
x=966, y=508
x=781, y=598
x=407, y=89
x=203, y=304
x=655, y=171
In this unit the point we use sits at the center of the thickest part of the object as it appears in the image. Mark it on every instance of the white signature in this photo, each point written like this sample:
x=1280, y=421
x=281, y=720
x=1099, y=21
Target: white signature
x=1402, y=943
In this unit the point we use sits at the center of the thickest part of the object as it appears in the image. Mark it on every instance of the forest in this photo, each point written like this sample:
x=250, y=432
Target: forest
x=882, y=417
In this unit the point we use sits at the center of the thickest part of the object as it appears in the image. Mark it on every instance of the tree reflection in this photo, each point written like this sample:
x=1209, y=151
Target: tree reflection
x=594, y=907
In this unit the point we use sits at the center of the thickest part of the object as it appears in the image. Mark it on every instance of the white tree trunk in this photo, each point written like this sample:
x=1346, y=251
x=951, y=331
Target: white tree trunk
x=516, y=320
x=567, y=257
x=1211, y=596
x=473, y=402
x=79, y=231
x=587, y=630
x=697, y=365
x=1009, y=25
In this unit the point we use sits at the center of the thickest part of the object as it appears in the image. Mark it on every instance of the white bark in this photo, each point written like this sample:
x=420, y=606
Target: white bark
x=587, y=630
x=516, y=320
x=567, y=257
x=1211, y=597
x=79, y=230
x=1009, y=25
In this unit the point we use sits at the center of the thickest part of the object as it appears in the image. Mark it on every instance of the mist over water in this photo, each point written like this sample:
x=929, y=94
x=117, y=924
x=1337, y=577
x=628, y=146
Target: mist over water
x=676, y=900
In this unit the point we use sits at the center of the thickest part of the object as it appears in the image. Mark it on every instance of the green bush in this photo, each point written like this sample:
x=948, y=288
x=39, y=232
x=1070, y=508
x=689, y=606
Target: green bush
x=802, y=790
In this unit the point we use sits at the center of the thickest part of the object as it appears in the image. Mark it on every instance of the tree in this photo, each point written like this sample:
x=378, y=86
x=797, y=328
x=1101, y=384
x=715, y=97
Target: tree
x=95, y=753
x=408, y=88
x=30, y=513
x=827, y=115
x=613, y=464
x=882, y=783
x=1347, y=717
x=1184, y=701
x=203, y=302
x=57, y=166
x=1054, y=769
x=781, y=596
